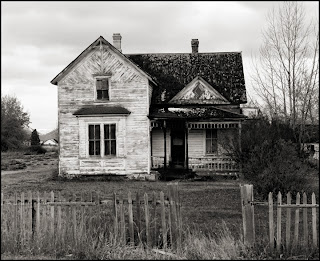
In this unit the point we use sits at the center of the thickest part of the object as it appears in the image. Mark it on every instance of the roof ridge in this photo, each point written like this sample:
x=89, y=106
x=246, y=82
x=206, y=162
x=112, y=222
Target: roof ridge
x=186, y=53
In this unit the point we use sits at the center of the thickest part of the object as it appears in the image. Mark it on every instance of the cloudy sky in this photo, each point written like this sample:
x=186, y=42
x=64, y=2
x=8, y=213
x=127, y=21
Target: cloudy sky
x=39, y=39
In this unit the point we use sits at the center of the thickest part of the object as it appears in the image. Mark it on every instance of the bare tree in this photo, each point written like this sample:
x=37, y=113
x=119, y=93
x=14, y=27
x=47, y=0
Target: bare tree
x=287, y=68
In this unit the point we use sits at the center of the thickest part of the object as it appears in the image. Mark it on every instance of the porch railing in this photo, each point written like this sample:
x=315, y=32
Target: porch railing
x=213, y=163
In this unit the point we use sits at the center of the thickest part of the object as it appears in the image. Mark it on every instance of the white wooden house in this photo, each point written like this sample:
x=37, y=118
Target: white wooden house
x=130, y=114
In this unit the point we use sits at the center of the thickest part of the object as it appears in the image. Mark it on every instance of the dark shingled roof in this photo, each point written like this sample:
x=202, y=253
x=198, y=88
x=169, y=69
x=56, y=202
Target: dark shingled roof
x=173, y=71
x=193, y=112
x=101, y=109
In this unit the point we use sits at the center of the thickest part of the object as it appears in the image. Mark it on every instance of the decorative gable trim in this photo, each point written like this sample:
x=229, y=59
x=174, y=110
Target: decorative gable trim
x=98, y=44
x=198, y=91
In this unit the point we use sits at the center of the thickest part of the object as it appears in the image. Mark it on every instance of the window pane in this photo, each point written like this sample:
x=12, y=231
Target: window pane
x=105, y=95
x=97, y=132
x=113, y=147
x=214, y=133
x=208, y=146
x=104, y=84
x=214, y=145
x=91, y=147
x=107, y=147
x=91, y=131
x=113, y=131
x=208, y=134
x=97, y=149
x=99, y=84
x=106, y=131
x=99, y=94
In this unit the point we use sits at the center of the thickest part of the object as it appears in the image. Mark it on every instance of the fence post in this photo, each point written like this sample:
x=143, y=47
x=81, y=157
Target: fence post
x=314, y=221
x=248, y=213
x=271, y=226
x=115, y=216
x=138, y=213
x=22, y=223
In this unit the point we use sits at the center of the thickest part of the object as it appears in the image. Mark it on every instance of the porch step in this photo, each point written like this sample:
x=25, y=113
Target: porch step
x=175, y=173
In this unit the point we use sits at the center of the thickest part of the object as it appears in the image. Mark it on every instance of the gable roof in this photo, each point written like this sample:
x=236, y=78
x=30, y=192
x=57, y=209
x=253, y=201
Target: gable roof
x=95, y=44
x=198, y=91
x=173, y=71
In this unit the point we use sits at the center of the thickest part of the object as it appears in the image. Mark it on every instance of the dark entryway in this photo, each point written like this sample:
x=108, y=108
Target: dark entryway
x=178, y=148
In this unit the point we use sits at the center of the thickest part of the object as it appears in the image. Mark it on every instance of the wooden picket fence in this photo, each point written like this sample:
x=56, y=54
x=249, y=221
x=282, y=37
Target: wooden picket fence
x=35, y=217
x=276, y=239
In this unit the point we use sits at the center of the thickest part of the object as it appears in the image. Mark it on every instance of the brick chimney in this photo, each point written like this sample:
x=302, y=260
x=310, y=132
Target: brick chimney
x=117, y=41
x=194, y=45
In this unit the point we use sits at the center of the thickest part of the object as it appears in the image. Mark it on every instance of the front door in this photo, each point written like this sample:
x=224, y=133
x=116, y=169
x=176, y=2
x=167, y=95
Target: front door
x=177, y=148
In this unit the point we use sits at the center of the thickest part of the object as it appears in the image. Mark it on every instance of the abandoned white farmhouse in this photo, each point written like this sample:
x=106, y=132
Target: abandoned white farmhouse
x=130, y=114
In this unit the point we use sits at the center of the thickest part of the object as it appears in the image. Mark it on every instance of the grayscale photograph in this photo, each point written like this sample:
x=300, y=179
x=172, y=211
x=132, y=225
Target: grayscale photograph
x=159, y=130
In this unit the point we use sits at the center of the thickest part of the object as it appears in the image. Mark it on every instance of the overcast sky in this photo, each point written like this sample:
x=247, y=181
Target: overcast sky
x=39, y=39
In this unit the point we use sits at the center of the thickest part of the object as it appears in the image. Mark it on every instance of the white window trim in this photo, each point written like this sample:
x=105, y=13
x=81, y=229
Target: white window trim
x=101, y=140
x=95, y=88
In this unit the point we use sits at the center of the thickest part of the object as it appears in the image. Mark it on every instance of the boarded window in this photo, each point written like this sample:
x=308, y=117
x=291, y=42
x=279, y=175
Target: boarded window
x=94, y=139
x=110, y=139
x=102, y=86
x=211, y=141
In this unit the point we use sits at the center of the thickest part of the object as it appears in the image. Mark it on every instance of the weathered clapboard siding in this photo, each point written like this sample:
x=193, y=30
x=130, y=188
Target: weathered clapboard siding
x=128, y=89
x=158, y=143
x=196, y=143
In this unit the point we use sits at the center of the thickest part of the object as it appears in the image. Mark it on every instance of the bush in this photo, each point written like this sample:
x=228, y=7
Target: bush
x=270, y=159
x=275, y=166
x=38, y=149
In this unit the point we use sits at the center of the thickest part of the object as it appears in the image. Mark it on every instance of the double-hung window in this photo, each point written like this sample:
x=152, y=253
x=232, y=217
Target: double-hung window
x=102, y=139
x=211, y=141
x=102, y=88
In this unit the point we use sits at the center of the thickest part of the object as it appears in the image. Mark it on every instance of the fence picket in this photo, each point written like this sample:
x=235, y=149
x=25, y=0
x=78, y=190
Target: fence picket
x=59, y=222
x=163, y=221
x=296, y=223
x=154, y=237
x=271, y=225
x=52, y=216
x=122, y=224
x=279, y=221
x=74, y=218
x=31, y=217
x=138, y=213
x=115, y=209
x=15, y=219
x=22, y=220
x=131, y=230
x=38, y=216
x=169, y=220
x=288, y=222
x=314, y=221
x=146, y=211
x=305, y=220
x=44, y=213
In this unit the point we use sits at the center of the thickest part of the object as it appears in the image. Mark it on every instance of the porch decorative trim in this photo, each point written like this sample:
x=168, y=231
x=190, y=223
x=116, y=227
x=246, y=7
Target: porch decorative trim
x=211, y=125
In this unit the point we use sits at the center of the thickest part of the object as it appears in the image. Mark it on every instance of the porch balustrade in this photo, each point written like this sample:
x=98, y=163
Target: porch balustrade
x=212, y=163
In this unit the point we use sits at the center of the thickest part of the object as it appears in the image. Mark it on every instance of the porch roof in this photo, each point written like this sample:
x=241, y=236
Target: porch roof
x=101, y=109
x=194, y=113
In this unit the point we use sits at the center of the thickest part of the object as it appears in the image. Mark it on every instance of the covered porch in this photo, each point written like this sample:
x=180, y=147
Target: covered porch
x=186, y=144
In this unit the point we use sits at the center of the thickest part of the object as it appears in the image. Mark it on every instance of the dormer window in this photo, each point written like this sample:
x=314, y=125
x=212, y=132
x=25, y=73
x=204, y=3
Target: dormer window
x=102, y=88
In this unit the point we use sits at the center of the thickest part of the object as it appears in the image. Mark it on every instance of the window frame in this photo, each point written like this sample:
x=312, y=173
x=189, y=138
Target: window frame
x=205, y=142
x=96, y=78
x=102, y=140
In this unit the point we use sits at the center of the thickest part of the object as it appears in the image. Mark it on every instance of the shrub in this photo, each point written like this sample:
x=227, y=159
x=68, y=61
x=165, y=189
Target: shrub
x=270, y=159
x=38, y=149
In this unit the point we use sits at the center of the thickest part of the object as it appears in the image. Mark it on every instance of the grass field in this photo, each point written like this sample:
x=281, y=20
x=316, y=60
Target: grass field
x=206, y=205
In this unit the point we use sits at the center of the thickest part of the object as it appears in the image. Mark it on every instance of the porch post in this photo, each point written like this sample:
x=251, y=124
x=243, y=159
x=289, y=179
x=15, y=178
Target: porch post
x=240, y=165
x=165, y=144
x=151, y=146
x=186, y=147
